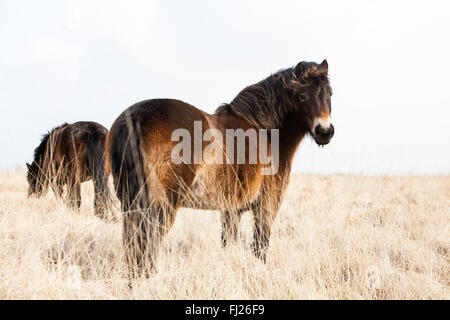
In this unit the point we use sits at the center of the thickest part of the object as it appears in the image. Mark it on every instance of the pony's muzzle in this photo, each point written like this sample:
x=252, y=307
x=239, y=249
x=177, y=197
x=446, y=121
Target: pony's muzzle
x=323, y=134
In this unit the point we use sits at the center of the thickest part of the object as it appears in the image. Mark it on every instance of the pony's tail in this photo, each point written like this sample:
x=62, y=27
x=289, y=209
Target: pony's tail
x=95, y=142
x=127, y=164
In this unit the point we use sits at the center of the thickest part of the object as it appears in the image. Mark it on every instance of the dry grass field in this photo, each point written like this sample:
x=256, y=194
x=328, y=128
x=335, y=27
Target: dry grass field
x=336, y=237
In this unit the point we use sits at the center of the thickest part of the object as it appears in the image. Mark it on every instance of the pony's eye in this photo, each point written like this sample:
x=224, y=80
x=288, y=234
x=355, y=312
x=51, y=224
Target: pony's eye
x=303, y=97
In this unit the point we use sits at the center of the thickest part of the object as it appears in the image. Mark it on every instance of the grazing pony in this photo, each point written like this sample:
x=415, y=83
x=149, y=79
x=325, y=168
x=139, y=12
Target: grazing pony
x=69, y=155
x=151, y=184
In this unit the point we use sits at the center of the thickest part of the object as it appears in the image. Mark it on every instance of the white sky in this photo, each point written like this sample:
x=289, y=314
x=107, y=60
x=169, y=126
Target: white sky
x=89, y=60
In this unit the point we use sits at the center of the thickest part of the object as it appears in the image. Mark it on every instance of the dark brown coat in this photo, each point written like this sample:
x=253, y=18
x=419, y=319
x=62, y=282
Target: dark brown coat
x=67, y=156
x=151, y=187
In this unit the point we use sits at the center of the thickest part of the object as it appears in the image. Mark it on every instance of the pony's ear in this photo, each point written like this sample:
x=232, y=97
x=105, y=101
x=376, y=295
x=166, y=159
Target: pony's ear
x=300, y=68
x=324, y=66
x=28, y=166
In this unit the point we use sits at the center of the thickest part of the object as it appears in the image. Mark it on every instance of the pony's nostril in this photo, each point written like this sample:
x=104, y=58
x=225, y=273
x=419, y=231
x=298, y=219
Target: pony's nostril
x=324, y=133
x=331, y=130
x=318, y=130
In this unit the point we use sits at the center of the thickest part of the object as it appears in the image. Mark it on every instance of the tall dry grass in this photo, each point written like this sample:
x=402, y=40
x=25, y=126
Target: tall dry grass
x=336, y=237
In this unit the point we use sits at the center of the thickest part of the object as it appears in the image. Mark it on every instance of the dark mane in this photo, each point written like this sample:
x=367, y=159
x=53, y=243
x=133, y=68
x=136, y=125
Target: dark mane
x=40, y=149
x=266, y=103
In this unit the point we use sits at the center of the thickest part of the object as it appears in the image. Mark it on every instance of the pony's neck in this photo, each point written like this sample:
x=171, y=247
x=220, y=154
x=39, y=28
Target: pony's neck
x=266, y=113
x=267, y=110
x=40, y=164
x=292, y=131
x=41, y=172
x=266, y=104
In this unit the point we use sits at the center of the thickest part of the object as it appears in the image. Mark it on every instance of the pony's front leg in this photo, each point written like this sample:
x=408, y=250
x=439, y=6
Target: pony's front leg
x=263, y=218
x=230, y=224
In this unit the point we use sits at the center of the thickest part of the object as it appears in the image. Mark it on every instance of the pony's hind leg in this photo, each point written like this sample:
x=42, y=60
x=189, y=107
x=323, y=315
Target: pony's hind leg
x=142, y=234
x=135, y=239
x=74, y=195
x=99, y=204
x=101, y=198
x=230, y=224
x=58, y=189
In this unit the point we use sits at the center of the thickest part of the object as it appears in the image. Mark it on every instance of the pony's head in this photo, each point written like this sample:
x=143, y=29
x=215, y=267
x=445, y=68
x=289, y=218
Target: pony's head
x=312, y=91
x=35, y=183
x=36, y=177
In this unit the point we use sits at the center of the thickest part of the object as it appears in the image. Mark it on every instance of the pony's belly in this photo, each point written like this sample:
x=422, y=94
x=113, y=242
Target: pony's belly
x=218, y=187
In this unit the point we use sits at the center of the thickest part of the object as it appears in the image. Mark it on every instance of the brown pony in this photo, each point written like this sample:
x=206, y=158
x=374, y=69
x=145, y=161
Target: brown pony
x=151, y=186
x=69, y=155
